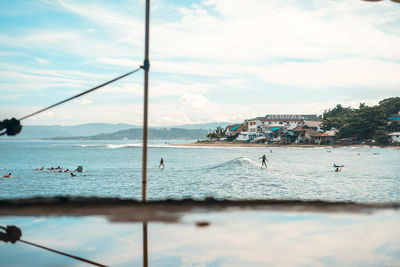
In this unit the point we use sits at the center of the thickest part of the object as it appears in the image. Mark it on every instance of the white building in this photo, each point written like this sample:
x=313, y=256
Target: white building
x=394, y=137
x=248, y=136
x=254, y=124
x=287, y=121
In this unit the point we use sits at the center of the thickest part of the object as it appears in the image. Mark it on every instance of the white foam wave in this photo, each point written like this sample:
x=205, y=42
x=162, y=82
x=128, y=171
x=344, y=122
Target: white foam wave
x=241, y=161
x=112, y=146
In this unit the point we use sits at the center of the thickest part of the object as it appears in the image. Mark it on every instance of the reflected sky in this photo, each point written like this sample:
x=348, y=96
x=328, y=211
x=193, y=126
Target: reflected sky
x=233, y=238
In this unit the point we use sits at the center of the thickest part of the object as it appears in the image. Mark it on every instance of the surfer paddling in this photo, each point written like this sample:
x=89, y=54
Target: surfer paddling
x=264, y=161
x=338, y=168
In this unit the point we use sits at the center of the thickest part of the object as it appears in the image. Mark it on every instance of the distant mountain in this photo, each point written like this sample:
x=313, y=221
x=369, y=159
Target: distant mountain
x=92, y=129
x=44, y=131
x=204, y=126
x=153, y=134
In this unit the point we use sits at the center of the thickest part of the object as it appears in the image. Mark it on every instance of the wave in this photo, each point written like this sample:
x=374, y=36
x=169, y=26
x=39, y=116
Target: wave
x=237, y=162
x=111, y=146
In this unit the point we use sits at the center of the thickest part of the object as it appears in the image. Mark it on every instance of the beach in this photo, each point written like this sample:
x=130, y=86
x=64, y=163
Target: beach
x=242, y=144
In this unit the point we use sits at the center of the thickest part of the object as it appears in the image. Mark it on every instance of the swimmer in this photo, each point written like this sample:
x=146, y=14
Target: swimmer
x=72, y=174
x=7, y=175
x=264, y=159
x=161, y=163
x=338, y=169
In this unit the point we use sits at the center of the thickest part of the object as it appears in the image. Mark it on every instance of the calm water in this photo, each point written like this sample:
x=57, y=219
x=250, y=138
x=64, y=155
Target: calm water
x=233, y=238
x=113, y=169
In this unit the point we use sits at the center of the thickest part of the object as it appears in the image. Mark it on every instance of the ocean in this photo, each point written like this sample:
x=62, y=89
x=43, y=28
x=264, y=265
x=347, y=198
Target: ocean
x=113, y=169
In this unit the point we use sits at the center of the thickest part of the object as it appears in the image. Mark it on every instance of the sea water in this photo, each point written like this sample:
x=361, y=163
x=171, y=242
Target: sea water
x=113, y=169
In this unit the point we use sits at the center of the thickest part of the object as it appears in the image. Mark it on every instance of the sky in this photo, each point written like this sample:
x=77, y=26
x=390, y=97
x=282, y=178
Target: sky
x=211, y=60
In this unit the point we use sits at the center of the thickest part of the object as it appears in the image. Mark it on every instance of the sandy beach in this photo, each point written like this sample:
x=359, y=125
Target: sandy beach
x=241, y=144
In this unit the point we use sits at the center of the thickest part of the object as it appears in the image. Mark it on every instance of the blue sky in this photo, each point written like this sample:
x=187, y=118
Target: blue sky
x=214, y=60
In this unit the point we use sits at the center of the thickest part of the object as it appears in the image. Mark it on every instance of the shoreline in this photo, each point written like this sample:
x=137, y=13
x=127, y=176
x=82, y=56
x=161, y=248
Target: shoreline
x=240, y=144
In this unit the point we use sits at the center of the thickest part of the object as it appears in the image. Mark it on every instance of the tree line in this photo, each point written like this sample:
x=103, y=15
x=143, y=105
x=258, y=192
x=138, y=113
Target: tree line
x=364, y=122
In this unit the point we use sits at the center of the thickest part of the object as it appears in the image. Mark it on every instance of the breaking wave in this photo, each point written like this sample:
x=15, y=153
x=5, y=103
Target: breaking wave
x=237, y=162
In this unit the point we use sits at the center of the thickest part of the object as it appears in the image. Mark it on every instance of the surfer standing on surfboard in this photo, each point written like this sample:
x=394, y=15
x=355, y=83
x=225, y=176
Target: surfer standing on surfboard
x=161, y=164
x=264, y=161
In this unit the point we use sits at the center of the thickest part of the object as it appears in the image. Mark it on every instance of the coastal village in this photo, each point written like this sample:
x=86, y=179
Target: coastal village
x=290, y=129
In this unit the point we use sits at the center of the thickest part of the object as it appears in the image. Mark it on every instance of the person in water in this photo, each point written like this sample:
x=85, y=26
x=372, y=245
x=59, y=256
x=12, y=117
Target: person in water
x=72, y=174
x=161, y=164
x=264, y=161
x=7, y=175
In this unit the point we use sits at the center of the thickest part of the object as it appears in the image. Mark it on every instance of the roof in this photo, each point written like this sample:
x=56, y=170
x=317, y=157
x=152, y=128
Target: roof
x=313, y=123
x=235, y=127
x=322, y=134
x=394, y=133
x=275, y=129
x=297, y=117
x=257, y=118
x=301, y=128
x=311, y=132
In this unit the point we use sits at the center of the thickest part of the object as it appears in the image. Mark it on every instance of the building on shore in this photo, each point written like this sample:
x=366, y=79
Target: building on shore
x=394, y=137
x=326, y=138
x=282, y=129
x=233, y=131
x=289, y=122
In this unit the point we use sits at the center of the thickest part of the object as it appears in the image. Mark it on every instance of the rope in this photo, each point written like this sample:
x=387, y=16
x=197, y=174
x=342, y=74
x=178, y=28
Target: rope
x=13, y=234
x=81, y=94
x=62, y=253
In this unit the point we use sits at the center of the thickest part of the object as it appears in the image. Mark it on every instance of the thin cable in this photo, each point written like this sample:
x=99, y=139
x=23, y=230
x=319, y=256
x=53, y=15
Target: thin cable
x=81, y=94
x=62, y=253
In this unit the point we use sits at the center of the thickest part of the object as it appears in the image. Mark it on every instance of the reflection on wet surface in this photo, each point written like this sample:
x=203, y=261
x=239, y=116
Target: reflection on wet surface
x=229, y=237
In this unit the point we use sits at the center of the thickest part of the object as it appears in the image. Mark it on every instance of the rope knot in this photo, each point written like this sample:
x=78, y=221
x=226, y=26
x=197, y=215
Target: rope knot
x=13, y=126
x=146, y=65
x=12, y=234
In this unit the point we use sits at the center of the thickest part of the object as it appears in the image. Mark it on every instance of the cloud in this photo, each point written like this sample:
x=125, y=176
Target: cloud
x=83, y=101
x=195, y=101
x=42, y=60
x=11, y=96
x=187, y=109
x=345, y=73
x=32, y=81
x=256, y=30
x=125, y=62
x=202, y=51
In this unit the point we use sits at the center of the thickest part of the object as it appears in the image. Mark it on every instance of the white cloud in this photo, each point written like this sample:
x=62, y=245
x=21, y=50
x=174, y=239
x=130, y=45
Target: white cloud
x=217, y=46
x=42, y=60
x=28, y=81
x=83, y=101
x=188, y=109
x=335, y=73
x=256, y=30
x=119, y=61
x=195, y=101
x=11, y=96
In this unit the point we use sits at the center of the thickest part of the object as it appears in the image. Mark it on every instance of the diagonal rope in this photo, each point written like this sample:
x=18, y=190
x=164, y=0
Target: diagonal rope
x=62, y=253
x=81, y=94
